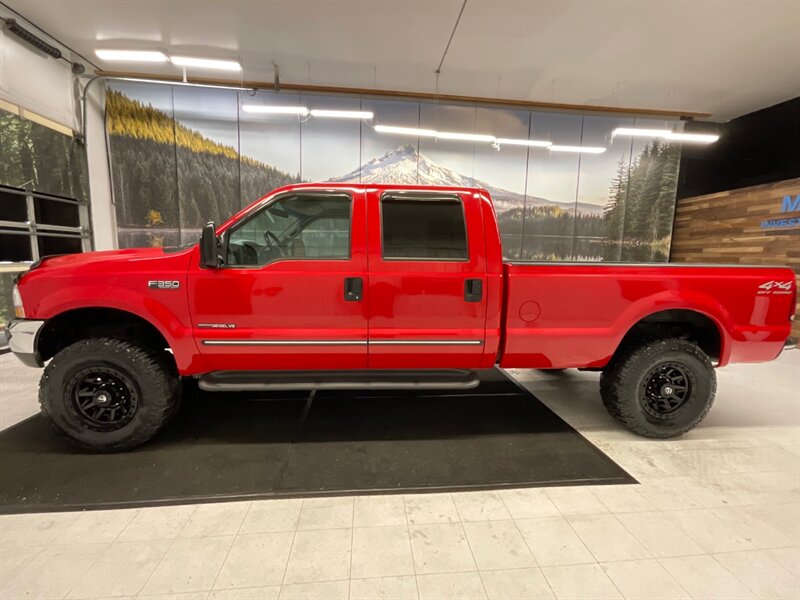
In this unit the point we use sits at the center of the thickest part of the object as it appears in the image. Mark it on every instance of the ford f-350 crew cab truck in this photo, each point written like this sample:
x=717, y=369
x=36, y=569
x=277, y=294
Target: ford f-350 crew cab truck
x=340, y=285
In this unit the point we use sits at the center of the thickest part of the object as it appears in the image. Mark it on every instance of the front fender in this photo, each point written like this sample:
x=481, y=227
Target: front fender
x=47, y=293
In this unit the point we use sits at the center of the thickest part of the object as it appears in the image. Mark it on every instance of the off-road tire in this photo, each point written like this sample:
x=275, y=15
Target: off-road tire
x=623, y=387
x=153, y=382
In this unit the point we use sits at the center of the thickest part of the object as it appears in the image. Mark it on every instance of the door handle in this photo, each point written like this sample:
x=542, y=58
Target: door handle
x=353, y=289
x=473, y=290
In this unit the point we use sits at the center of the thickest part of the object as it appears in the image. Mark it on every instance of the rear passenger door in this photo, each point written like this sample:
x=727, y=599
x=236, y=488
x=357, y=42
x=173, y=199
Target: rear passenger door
x=427, y=280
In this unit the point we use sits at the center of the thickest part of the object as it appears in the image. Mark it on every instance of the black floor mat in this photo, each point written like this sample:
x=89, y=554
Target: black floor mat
x=236, y=446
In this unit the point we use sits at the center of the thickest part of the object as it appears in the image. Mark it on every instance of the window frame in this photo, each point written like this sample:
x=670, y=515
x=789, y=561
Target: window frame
x=225, y=236
x=34, y=229
x=423, y=197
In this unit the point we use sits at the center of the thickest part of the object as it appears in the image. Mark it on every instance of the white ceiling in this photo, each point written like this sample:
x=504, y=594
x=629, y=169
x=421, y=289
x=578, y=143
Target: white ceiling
x=722, y=57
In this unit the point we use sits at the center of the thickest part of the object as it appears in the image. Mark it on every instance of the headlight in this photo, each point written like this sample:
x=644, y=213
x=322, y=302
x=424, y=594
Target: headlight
x=19, y=310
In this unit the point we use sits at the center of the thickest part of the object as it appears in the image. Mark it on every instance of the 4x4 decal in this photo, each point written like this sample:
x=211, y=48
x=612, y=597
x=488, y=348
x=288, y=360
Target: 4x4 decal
x=775, y=287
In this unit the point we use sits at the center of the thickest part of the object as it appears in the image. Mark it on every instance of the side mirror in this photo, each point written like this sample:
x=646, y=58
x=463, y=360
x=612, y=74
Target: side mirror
x=209, y=251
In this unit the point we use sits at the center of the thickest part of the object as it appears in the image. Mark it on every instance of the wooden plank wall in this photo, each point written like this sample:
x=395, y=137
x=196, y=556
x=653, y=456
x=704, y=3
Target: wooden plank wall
x=725, y=228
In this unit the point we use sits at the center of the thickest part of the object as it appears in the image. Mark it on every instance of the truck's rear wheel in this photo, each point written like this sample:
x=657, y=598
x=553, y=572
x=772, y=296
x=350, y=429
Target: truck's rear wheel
x=659, y=389
x=108, y=394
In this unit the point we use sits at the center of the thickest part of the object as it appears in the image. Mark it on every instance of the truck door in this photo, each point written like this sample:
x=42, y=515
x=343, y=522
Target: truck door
x=427, y=283
x=291, y=291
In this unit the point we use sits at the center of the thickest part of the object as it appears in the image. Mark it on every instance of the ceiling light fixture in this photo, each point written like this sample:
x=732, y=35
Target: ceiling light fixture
x=279, y=110
x=342, y=114
x=405, y=130
x=637, y=132
x=206, y=63
x=532, y=143
x=132, y=55
x=700, y=138
x=582, y=149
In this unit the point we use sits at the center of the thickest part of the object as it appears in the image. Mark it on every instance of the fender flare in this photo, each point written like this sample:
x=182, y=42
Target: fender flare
x=696, y=302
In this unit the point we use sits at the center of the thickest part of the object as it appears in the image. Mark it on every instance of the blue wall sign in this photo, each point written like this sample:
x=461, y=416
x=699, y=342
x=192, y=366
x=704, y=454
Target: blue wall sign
x=789, y=205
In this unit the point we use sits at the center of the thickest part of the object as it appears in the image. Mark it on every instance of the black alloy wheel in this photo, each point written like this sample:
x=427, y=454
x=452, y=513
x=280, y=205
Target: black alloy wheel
x=109, y=394
x=659, y=388
x=104, y=398
x=666, y=388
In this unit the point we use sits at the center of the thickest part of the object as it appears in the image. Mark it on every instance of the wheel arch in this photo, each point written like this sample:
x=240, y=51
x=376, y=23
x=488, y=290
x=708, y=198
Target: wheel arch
x=77, y=324
x=686, y=323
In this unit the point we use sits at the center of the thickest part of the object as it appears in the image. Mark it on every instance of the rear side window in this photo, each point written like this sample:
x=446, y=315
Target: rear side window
x=423, y=228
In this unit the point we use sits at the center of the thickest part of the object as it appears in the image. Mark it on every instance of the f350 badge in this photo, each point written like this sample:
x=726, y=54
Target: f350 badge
x=157, y=284
x=775, y=287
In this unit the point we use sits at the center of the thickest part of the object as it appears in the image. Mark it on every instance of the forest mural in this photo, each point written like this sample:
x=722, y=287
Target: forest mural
x=36, y=157
x=183, y=156
x=155, y=158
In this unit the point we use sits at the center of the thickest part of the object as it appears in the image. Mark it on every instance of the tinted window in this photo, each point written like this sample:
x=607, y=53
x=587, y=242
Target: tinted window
x=13, y=207
x=53, y=212
x=294, y=227
x=15, y=247
x=416, y=228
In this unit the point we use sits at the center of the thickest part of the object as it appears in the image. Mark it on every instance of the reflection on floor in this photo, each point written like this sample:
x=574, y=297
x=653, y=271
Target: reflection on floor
x=717, y=515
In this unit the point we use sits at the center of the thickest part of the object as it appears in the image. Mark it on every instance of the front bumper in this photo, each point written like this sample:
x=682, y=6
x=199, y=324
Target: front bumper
x=23, y=339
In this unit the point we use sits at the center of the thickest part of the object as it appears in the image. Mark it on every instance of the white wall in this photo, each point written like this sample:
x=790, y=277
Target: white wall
x=35, y=81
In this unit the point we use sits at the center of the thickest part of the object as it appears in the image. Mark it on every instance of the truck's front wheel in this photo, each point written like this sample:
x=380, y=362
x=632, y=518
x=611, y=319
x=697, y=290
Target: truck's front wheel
x=659, y=389
x=108, y=394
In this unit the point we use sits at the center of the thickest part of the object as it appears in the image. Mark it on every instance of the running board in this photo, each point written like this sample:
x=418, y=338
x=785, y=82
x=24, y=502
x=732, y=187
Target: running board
x=245, y=381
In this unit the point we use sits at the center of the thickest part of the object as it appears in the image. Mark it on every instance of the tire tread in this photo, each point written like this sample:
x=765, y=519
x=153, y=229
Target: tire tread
x=621, y=371
x=163, y=391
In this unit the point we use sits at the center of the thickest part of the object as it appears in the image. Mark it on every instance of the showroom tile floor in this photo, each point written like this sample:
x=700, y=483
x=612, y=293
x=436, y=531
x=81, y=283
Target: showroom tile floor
x=717, y=515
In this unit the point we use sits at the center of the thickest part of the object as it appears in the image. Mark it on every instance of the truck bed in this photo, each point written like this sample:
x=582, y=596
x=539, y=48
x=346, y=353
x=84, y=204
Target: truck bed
x=576, y=314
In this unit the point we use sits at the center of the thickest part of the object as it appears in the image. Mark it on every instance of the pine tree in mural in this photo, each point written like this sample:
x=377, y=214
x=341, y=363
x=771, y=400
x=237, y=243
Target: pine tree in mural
x=36, y=157
x=640, y=205
x=614, y=211
x=665, y=202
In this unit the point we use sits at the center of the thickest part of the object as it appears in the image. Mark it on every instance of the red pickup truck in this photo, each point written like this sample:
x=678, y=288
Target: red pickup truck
x=381, y=286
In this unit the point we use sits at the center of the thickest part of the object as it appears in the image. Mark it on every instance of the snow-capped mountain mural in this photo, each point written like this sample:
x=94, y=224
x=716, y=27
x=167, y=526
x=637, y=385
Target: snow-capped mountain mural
x=178, y=159
x=406, y=165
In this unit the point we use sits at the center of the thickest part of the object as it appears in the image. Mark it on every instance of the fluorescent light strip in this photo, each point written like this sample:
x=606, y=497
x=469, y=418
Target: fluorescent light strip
x=405, y=130
x=206, y=63
x=636, y=132
x=279, y=110
x=700, y=138
x=666, y=134
x=464, y=137
x=132, y=55
x=533, y=143
x=582, y=149
x=478, y=137
x=342, y=114
x=442, y=135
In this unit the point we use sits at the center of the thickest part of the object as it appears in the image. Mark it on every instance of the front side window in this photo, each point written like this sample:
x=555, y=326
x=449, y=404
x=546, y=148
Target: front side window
x=423, y=228
x=299, y=227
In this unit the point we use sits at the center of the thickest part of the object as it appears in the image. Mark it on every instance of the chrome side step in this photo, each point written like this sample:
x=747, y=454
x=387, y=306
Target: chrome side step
x=246, y=381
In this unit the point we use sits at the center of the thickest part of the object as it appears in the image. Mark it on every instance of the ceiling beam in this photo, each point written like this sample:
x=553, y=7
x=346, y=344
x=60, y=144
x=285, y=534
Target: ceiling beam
x=495, y=102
